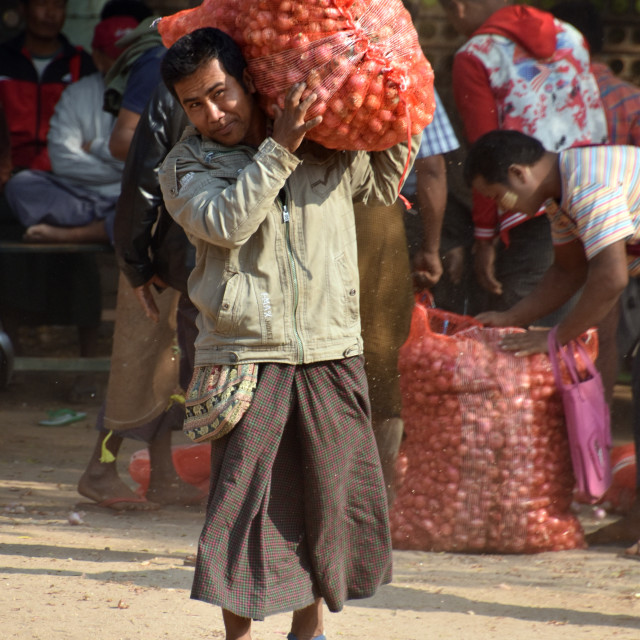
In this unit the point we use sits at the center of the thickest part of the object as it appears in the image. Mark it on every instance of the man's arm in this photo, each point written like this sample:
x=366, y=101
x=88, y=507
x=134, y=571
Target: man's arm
x=473, y=96
x=68, y=143
x=604, y=277
x=478, y=110
x=122, y=133
x=159, y=128
x=563, y=278
x=607, y=276
x=377, y=176
x=438, y=139
x=431, y=195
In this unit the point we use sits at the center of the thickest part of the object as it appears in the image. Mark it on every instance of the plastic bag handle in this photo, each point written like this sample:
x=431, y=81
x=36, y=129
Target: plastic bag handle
x=568, y=355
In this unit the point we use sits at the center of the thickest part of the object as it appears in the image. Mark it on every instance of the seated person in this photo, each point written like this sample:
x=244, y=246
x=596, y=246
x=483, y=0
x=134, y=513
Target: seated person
x=35, y=68
x=76, y=202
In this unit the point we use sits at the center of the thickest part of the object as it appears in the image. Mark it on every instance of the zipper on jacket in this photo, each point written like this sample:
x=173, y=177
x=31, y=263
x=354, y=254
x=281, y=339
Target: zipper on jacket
x=292, y=270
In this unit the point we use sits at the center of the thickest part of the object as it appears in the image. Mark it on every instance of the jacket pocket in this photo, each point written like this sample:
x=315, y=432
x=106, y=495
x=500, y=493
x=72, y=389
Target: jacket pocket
x=350, y=294
x=226, y=323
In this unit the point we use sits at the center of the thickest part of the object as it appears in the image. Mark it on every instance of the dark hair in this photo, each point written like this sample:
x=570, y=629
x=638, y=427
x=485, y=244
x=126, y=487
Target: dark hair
x=195, y=49
x=585, y=17
x=136, y=9
x=492, y=154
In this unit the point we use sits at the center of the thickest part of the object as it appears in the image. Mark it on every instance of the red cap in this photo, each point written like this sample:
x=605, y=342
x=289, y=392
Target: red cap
x=109, y=31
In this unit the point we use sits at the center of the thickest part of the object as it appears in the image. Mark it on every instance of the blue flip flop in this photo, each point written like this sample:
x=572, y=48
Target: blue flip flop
x=292, y=637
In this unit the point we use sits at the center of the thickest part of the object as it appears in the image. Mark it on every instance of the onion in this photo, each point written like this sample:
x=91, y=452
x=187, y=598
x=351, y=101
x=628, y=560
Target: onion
x=485, y=464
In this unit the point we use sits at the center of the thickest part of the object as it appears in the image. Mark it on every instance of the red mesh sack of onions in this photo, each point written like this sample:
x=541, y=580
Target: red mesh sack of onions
x=361, y=57
x=211, y=13
x=485, y=465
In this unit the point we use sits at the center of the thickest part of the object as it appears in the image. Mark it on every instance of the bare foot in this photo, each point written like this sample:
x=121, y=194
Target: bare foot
x=633, y=551
x=625, y=530
x=46, y=233
x=176, y=492
x=108, y=490
x=93, y=232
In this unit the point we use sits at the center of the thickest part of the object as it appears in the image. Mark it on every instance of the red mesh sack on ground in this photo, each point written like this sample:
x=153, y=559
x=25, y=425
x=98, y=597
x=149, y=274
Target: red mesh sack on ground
x=361, y=57
x=191, y=461
x=622, y=492
x=485, y=465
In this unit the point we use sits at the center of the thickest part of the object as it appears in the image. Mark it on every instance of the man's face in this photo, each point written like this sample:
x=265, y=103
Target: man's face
x=518, y=196
x=45, y=18
x=219, y=107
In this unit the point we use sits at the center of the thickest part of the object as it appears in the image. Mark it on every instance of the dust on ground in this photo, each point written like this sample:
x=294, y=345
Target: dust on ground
x=123, y=577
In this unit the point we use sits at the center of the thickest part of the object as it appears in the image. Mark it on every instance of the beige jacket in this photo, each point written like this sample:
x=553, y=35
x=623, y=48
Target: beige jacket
x=276, y=275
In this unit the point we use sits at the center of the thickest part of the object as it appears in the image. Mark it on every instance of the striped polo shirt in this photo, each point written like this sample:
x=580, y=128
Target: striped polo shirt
x=600, y=201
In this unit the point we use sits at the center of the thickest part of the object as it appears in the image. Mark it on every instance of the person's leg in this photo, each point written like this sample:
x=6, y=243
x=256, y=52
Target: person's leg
x=42, y=197
x=236, y=627
x=165, y=485
x=100, y=481
x=386, y=302
x=627, y=529
x=308, y=623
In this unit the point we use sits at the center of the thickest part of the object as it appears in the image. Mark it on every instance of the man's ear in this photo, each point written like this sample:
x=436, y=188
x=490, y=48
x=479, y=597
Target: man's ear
x=519, y=173
x=248, y=81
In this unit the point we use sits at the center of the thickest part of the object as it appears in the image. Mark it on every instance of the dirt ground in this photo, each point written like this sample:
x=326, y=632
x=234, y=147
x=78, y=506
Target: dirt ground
x=122, y=577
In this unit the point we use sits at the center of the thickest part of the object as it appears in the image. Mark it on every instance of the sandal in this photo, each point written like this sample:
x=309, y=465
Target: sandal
x=320, y=637
x=61, y=417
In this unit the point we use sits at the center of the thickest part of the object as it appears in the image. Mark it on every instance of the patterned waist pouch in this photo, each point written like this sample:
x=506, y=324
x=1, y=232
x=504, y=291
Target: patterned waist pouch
x=217, y=397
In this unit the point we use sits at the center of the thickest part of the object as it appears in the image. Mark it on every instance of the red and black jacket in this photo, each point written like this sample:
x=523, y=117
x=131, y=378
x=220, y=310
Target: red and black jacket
x=29, y=103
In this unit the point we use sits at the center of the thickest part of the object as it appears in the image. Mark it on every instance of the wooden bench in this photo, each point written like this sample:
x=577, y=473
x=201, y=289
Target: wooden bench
x=10, y=363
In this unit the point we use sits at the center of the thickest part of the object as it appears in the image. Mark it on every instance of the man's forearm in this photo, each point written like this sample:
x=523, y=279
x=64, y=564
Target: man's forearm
x=431, y=198
x=606, y=279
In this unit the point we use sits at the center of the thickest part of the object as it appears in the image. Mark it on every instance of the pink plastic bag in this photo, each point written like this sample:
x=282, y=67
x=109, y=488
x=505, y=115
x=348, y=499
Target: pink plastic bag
x=587, y=418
